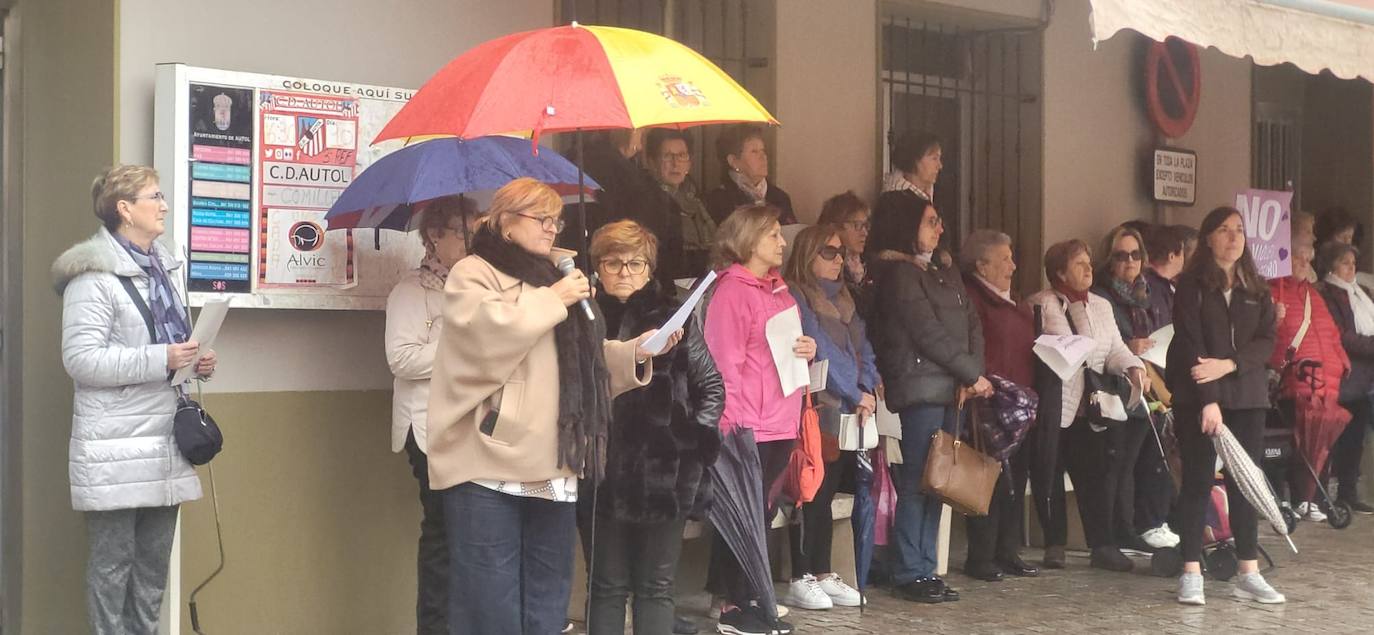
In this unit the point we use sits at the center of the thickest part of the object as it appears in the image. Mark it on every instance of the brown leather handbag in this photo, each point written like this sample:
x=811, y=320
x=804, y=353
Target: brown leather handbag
x=961, y=475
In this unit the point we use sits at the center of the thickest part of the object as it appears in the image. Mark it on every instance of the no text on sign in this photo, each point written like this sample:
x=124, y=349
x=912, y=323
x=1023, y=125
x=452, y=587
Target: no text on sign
x=1174, y=174
x=1173, y=85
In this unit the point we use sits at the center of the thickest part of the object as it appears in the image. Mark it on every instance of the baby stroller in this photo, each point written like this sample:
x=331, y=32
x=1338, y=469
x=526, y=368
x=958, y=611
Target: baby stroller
x=1280, y=446
x=1219, y=551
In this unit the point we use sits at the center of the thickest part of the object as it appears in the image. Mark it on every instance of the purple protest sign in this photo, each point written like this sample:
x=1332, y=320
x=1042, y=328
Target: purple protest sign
x=1268, y=230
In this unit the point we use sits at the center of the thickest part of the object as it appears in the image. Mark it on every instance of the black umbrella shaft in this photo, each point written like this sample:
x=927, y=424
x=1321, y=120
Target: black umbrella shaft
x=582, y=206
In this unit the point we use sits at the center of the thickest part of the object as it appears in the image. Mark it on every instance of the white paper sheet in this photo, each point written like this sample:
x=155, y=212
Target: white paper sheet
x=1063, y=353
x=206, y=329
x=782, y=331
x=1160, y=350
x=889, y=424
x=820, y=375
x=655, y=344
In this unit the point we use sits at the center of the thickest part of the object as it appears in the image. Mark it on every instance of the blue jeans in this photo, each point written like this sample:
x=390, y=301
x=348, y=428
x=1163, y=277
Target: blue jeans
x=510, y=562
x=916, y=527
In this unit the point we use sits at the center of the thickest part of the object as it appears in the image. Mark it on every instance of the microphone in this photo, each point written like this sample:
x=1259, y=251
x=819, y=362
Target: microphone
x=567, y=266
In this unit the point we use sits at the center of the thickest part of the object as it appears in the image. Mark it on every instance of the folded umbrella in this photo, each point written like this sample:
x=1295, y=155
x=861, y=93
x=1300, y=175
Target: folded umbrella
x=863, y=519
x=1251, y=482
x=737, y=512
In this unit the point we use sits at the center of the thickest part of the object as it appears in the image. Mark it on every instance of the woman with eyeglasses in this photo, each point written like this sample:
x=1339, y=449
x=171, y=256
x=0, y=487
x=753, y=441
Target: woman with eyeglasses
x=669, y=155
x=929, y=345
x=1121, y=280
x=519, y=408
x=1224, y=335
x=414, y=315
x=662, y=440
x=814, y=275
x=851, y=218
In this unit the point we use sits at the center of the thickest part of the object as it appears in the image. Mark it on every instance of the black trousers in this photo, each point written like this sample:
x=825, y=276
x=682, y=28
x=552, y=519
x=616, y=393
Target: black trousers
x=1154, y=488
x=724, y=576
x=1135, y=433
x=1349, y=450
x=1199, y=464
x=811, y=540
x=431, y=602
x=1050, y=506
x=638, y=559
x=997, y=536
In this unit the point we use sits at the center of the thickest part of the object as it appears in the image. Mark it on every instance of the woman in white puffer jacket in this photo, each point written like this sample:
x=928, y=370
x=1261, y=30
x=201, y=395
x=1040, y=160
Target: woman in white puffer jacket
x=126, y=472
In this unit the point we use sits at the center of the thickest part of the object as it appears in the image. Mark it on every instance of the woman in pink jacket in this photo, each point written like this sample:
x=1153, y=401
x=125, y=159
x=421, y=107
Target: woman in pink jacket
x=749, y=291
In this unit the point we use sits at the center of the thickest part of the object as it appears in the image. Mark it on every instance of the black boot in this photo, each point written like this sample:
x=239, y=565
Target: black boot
x=1111, y=559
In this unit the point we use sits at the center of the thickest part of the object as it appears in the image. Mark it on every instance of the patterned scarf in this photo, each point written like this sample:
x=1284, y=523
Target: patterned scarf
x=895, y=181
x=1135, y=297
x=433, y=275
x=758, y=192
x=169, y=317
x=584, y=393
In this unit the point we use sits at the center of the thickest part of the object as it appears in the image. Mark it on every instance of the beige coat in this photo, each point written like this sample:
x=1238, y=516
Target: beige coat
x=496, y=351
x=413, y=320
x=1095, y=320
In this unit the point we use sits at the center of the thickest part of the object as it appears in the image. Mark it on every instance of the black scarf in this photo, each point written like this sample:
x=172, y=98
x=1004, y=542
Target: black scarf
x=584, y=393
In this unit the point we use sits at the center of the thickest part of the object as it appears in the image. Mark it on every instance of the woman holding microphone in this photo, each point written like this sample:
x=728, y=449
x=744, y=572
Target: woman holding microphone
x=1224, y=334
x=519, y=407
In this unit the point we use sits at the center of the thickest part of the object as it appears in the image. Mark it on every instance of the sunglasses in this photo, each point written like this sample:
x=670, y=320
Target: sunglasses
x=830, y=253
x=1127, y=256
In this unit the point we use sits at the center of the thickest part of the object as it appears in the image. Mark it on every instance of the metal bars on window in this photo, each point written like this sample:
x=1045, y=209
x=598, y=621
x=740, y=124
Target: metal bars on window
x=978, y=91
x=1276, y=140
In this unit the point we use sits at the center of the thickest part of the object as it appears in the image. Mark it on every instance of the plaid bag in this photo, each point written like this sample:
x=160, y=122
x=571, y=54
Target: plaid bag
x=1006, y=416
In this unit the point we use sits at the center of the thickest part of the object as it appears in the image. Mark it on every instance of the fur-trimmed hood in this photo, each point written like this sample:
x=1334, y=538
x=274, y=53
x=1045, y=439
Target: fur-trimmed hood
x=102, y=254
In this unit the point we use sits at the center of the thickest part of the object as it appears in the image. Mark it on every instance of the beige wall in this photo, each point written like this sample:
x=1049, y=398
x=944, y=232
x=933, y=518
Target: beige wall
x=827, y=101
x=1098, y=136
x=66, y=67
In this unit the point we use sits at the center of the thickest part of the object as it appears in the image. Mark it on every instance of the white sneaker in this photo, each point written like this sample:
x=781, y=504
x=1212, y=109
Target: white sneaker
x=1160, y=538
x=1190, y=589
x=1252, y=586
x=840, y=593
x=1310, y=512
x=806, y=593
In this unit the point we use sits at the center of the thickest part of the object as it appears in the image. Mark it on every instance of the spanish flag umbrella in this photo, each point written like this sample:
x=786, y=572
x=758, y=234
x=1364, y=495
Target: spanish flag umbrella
x=574, y=77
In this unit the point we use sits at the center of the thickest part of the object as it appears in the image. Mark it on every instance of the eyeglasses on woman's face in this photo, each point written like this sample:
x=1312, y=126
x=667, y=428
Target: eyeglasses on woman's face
x=547, y=223
x=1127, y=256
x=634, y=266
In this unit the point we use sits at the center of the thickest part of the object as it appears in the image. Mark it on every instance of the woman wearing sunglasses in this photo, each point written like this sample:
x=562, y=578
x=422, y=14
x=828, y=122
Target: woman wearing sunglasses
x=829, y=315
x=1121, y=280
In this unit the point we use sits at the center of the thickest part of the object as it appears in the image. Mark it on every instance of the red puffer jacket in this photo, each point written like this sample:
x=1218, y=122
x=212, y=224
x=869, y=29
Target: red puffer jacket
x=1322, y=342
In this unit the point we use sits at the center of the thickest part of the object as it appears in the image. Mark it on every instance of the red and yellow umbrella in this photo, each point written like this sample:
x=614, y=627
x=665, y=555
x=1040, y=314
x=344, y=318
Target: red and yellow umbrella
x=574, y=77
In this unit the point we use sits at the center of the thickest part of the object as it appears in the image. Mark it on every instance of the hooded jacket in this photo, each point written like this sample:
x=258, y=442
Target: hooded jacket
x=122, y=454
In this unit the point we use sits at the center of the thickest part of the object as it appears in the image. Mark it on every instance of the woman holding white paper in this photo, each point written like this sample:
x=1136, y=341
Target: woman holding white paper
x=749, y=292
x=929, y=345
x=661, y=441
x=1142, y=506
x=1085, y=452
x=124, y=330
x=828, y=315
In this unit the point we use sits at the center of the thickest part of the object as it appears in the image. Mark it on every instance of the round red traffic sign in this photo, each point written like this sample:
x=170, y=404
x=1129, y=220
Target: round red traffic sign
x=1173, y=85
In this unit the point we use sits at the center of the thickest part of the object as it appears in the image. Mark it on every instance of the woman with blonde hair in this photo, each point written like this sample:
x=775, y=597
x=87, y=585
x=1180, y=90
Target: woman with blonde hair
x=519, y=406
x=124, y=330
x=750, y=291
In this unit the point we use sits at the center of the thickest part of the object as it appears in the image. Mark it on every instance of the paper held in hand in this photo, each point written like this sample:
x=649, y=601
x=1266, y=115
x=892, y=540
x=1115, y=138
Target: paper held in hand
x=782, y=331
x=1160, y=350
x=820, y=375
x=1064, y=354
x=206, y=328
x=654, y=345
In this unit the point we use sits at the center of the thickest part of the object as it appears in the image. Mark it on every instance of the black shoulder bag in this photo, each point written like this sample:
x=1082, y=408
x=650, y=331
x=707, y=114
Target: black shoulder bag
x=196, y=433
x=1099, y=388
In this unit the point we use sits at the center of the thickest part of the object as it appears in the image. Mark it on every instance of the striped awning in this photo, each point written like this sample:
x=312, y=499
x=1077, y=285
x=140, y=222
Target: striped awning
x=1314, y=35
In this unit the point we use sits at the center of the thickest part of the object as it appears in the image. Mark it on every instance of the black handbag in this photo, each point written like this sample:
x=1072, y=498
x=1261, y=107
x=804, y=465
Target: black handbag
x=1101, y=388
x=195, y=431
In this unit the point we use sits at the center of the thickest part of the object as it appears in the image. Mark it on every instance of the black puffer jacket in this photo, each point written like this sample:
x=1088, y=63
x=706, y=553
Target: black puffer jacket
x=663, y=436
x=926, y=334
x=1206, y=326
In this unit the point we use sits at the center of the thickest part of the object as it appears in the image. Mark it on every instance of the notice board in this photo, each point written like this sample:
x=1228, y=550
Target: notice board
x=250, y=163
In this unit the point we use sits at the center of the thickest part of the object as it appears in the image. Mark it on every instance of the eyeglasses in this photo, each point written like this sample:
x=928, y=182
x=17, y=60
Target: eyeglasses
x=156, y=196
x=858, y=225
x=828, y=252
x=1127, y=256
x=677, y=157
x=547, y=223
x=935, y=221
x=635, y=267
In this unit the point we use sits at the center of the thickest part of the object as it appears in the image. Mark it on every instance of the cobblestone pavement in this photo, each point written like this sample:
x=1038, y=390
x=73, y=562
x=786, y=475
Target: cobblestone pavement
x=1329, y=585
